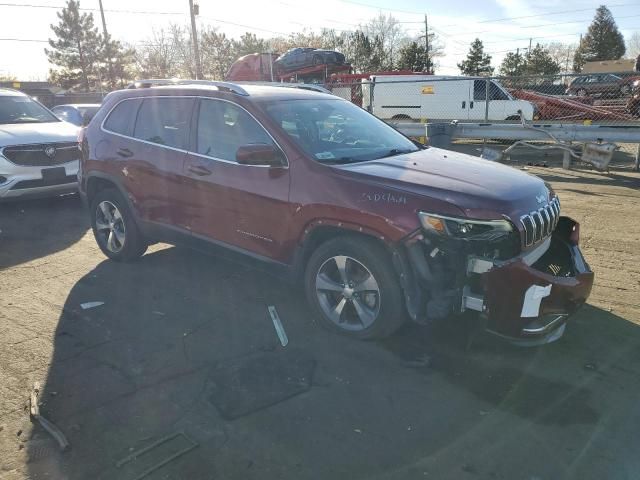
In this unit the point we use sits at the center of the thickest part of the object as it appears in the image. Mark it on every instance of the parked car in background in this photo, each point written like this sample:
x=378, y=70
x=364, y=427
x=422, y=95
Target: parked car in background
x=297, y=58
x=416, y=97
x=79, y=114
x=377, y=228
x=626, y=84
x=38, y=152
x=602, y=84
x=633, y=104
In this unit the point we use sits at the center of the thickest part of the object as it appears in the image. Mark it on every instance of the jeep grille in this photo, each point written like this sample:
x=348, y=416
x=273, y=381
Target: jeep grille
x=540, y=224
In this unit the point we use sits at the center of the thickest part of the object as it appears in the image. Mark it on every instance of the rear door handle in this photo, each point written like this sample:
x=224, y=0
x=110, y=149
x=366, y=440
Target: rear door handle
x=470, y=104
x=464, y=104
x=125, y=152
x=199, y=170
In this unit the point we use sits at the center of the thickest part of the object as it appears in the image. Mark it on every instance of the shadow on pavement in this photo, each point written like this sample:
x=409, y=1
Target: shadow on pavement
x=131, y=384
x=32, y=229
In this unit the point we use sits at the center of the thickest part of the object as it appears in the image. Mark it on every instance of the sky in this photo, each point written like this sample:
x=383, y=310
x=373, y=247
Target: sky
x=503, y=25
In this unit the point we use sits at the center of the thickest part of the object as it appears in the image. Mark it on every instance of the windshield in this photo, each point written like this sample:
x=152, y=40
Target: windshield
x=335, y=131
x=18, y=109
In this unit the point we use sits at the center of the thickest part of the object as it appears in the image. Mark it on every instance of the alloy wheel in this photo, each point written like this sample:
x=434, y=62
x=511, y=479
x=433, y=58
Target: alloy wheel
x=348, y=293
x=110, y=226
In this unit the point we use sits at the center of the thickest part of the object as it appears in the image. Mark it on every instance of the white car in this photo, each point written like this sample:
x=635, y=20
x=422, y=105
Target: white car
x=39, y=153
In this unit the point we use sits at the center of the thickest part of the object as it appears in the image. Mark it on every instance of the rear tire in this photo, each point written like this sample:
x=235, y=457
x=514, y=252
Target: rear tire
x=114, y=227
x=625, y=90
x=353, y=288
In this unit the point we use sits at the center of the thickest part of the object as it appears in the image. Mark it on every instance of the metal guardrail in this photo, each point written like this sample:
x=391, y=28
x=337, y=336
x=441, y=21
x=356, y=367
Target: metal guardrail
x=562, y=132
x=565, y=133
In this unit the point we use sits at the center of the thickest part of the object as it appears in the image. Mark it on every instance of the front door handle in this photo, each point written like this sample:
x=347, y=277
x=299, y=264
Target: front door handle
x=199, y=170
x=125, y=152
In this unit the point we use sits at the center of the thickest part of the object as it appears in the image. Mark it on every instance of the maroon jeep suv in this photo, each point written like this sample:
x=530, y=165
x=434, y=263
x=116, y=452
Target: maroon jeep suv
x=377, y=228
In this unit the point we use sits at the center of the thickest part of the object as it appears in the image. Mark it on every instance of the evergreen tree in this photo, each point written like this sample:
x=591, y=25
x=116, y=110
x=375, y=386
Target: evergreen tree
x=513, y=65
x=540, y=62
x=603, y=40
x=77, y=49
x=477, y=62
x=412, y=57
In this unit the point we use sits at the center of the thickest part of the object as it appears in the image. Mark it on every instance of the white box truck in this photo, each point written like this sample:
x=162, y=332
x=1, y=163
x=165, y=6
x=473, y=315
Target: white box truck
x=429, y=97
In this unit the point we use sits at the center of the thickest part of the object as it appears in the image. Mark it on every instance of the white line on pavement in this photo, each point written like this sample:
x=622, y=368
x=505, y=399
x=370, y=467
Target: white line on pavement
x=277, y=324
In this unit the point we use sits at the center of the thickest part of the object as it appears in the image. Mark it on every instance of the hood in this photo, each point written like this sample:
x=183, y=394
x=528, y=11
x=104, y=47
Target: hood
x=480, y=188
x=27, y=133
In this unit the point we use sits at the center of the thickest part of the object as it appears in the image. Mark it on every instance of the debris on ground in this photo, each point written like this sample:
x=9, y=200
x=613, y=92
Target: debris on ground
x=88, y=305
x=34, y=410
x=591, y=366
x=277, y=324
x=175, y=444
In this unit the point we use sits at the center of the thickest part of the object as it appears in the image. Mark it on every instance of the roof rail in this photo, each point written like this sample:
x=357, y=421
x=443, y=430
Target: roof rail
x=155, y=82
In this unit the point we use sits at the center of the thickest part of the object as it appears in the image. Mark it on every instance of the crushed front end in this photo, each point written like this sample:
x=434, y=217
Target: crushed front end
x=524, y=281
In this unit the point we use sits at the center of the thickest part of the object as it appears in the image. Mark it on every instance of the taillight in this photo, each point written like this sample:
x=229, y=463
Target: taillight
x=574, y=236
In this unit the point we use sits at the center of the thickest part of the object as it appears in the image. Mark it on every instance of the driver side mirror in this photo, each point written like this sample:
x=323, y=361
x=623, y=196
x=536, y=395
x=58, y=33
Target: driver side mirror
x=260, y=154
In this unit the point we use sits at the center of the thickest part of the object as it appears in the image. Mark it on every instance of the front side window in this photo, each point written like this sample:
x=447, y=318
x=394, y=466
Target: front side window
x=495, y=92
x=164, y=121
x=224, y=127
x=19, y=109
x=336, y=131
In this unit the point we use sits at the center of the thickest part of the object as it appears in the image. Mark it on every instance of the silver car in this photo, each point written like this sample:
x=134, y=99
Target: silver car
x=38, y=153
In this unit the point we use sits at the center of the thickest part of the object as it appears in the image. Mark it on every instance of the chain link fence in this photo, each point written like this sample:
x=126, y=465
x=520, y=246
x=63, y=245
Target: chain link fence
x=605, y=99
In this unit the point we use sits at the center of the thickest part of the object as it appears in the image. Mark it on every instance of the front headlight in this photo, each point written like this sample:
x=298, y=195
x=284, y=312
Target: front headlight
x=464, y=227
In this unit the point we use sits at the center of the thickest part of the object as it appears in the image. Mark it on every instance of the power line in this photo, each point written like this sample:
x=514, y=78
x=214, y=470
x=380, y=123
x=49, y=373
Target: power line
x=143, y=12
x=22, y=40
x=540, y=25
x=362, y=4
x=217, y=20
x=543, y=14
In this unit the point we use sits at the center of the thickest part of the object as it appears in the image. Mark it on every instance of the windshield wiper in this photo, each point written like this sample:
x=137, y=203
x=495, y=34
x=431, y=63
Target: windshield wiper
x=343, y=160
x=397, y=151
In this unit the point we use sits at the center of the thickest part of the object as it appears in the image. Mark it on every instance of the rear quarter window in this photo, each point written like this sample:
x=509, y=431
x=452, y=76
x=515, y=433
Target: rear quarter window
x=121, y=118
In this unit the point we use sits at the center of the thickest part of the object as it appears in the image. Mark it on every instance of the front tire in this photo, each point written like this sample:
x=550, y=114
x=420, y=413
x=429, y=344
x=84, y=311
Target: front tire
x=114, y=227
x=353, y=288
x=581, y=92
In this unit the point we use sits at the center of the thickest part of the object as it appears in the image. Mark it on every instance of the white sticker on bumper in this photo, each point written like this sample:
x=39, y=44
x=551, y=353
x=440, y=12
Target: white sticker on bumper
x=532, y=298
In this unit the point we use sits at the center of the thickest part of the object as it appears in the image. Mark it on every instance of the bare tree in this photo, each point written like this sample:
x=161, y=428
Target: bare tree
x=633, y=45
x=562, y=53
x=390, y=36
x=166, y=54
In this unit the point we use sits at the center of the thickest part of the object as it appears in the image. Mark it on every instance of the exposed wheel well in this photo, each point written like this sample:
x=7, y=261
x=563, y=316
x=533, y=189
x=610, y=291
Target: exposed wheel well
x=95, y=185
x=513, y=117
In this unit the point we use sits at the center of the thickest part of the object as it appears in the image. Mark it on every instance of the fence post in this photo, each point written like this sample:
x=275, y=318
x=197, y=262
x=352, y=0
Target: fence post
x=371, y=85
x=637, y=164
x=486, y=100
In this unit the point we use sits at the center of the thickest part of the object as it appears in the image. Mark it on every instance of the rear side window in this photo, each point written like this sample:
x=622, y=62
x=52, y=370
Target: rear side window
x=223, y=127
x=121, y=117
x=164, y=121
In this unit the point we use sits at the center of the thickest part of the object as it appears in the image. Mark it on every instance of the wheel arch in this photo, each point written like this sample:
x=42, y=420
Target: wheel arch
x=322, y=231
x=98, y=181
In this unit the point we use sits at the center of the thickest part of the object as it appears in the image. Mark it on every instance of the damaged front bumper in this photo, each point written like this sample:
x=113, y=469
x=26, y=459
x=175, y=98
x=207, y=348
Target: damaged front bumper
x=528, y=299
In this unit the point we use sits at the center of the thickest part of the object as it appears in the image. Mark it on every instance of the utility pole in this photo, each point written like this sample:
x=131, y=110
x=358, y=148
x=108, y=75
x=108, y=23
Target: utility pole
x=194, y=35
x=106, y=47
x=427, y=61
